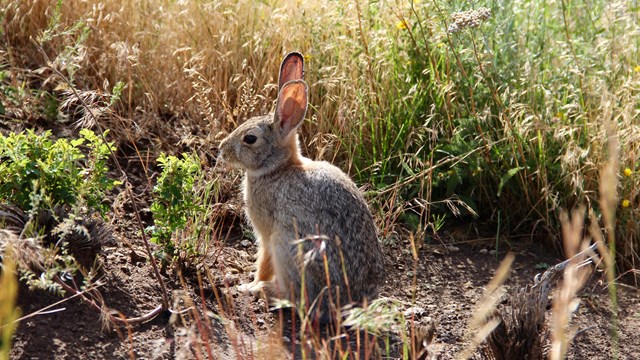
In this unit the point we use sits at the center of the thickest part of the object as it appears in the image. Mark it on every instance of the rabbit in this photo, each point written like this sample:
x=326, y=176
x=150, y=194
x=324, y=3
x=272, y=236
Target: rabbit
x=302, y=210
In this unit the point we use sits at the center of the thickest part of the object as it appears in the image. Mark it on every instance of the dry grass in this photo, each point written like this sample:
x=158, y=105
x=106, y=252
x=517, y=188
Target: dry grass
x=212, y=63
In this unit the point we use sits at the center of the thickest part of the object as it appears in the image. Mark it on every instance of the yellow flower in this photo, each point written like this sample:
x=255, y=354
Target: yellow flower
x=637, y=68
x=401, y=25
x=627, y=172
x=625, y=203
x=440, y=44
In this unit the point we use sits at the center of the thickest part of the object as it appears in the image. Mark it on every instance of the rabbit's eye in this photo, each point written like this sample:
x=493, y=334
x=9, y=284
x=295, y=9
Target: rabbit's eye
x=249, y=139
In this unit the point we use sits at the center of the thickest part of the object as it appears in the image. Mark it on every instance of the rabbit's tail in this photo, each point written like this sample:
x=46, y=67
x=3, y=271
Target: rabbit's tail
x=321, y=307
x=329, y=307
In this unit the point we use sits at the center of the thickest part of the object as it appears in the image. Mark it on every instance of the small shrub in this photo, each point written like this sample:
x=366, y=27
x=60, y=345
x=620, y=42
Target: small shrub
x=175, y=202
x=36, y=172
x=46, y=189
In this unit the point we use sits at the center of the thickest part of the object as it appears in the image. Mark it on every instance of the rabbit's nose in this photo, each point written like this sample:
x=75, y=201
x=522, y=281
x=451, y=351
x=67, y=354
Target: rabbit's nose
x=227, y=154
x=222, y=160
x=222, y=152
x=222, y=155
x=222, y=148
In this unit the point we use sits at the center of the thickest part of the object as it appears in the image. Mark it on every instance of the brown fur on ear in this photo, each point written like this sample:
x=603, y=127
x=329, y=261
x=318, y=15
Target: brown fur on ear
x=291, y=106
x=292, y=68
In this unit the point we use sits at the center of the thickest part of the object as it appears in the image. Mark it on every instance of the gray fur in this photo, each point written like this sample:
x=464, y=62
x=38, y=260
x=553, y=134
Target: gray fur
x=294, y=204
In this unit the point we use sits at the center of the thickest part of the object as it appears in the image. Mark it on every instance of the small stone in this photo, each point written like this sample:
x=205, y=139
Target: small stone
x=414, y=310
x=126, y=270
x=245, y=243
x=428, y=286
x=136, y=258
x=231, y=279
x=286, y=339
x=483, y=251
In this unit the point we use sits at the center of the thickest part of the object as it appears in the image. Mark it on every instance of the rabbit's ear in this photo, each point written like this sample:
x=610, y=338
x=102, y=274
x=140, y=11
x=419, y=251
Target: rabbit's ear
x=291, y=106
x=292, y=68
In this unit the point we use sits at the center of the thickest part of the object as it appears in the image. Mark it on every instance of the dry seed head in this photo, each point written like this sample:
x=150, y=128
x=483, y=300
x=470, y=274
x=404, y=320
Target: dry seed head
x=468, y=19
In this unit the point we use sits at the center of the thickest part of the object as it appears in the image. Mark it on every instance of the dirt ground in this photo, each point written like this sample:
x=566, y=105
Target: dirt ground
x=449, y=284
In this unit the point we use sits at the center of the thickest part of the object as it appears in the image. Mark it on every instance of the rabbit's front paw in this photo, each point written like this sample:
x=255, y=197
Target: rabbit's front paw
x=254, y=288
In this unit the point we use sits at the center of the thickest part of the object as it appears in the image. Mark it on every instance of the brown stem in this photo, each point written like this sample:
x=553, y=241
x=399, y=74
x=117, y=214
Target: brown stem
x=136, y=320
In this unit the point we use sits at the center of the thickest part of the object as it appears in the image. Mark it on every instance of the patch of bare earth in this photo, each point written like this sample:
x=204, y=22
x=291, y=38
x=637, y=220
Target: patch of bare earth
x=450, y=281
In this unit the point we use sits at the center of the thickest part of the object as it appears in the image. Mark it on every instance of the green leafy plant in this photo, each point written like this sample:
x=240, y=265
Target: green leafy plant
x=175, y=202
x=37, y=172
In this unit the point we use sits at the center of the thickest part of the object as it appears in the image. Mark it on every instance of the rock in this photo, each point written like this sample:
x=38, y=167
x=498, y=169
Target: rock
x=231, y=279
x=126, y=270
x=137, y=258
x=245, y=243
x=415, y=310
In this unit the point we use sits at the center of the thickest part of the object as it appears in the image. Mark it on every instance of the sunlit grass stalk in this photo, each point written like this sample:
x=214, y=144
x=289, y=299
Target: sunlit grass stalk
x=9, y=313
x=483, y=320
x=609, y=201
